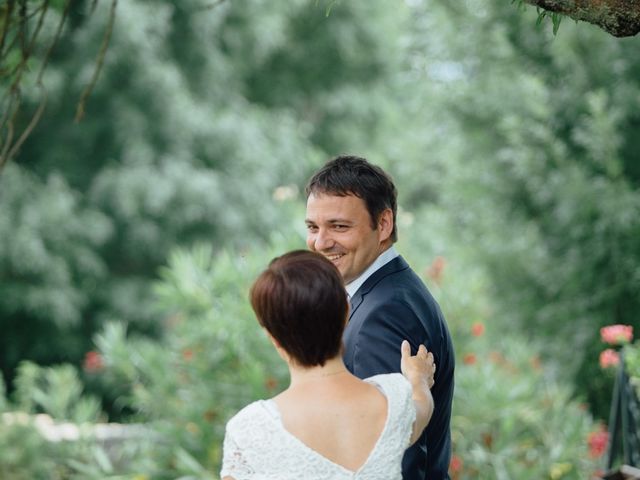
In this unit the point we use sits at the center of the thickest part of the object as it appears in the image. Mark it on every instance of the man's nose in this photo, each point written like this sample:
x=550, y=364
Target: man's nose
x=323, y=240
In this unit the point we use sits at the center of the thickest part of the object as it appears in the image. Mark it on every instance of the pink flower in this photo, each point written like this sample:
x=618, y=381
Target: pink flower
x=93, y=362
x=616, y=334
x=609, y=358
x=597, y=442
x=477, y=329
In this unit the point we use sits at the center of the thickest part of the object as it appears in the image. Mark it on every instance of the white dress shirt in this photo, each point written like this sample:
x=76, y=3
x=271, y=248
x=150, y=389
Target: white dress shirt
x=384, y=258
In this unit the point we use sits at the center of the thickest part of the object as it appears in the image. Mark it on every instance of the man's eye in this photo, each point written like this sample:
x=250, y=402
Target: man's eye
x=340, y=227
x=312, y=228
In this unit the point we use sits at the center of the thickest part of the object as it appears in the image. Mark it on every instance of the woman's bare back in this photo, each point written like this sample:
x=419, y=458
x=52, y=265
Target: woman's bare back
x=340, y=418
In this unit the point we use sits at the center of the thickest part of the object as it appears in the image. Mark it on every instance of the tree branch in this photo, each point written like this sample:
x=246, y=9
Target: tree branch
x=620, y=18
x=27, y=131
x=209, y=6
x=100, y=61
x=12, y=98
x=54, y=42
x=8, y=11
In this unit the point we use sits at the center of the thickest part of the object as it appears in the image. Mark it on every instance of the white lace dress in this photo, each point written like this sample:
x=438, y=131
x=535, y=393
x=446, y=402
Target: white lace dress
x=257, y=446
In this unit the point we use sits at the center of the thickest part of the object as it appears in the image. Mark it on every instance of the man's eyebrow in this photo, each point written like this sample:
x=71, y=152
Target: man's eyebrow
x=331, y=221
x=340, y=220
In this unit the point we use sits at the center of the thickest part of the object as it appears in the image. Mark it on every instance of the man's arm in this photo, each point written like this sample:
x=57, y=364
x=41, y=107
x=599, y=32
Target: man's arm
x=374, y=349
x=376, y=345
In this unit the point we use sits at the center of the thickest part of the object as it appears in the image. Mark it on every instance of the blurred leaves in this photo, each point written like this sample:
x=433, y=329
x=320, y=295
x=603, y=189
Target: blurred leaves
x=212, y=358
x=514, y=149
x=58, y=391
x=49, y=257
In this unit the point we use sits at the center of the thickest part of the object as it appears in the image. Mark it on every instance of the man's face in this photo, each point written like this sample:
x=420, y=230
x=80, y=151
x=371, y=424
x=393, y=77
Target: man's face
x=340, y=229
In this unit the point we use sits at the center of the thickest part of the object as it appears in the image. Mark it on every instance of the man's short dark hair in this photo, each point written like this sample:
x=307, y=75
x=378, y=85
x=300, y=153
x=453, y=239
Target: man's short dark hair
x=351, y=175
x=301, y=300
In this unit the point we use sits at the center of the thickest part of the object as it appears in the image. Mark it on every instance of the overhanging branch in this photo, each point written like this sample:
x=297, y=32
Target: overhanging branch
x=620, y=18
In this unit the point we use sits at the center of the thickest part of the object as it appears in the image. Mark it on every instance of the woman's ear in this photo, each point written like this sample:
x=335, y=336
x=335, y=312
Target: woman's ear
x=271, y=339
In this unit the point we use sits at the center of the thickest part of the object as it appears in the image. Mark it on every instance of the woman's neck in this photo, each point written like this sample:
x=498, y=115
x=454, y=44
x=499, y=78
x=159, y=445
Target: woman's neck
x=333, y=369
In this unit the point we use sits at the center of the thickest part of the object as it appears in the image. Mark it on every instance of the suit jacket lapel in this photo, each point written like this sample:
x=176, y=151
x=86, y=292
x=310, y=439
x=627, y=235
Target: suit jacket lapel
x=393, y=266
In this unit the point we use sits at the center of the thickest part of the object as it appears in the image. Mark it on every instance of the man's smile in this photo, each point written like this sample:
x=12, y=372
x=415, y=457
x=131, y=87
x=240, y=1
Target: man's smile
x=334, y=256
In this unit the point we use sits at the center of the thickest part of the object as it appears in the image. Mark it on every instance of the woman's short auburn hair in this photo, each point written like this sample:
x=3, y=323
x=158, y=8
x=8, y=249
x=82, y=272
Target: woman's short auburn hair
x=301, y=300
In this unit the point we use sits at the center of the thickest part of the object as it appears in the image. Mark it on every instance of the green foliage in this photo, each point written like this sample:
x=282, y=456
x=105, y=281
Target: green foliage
x=58, y=391
x=510, y=421
x=632, y=363
x=24, y=454
x=212, y=360
x=47, y=248
x=3, y=396
x=556, y=18
x=540, y=174
x=514, y=151
x=25, y=450
x=49, y=267
x=164, y=157
x=512, y=418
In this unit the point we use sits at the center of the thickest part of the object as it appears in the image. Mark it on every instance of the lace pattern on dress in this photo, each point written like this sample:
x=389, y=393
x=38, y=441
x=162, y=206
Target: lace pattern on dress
x=257, y=446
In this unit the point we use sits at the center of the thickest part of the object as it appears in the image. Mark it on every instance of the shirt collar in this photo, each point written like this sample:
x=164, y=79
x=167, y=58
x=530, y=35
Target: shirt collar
x=384, y=258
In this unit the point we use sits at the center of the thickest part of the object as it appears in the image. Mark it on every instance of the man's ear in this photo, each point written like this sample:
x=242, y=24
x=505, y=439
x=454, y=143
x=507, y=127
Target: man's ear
x=385, y=224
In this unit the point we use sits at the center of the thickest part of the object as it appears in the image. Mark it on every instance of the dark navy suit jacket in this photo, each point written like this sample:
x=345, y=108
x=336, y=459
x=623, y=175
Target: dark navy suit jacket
x=393, y=305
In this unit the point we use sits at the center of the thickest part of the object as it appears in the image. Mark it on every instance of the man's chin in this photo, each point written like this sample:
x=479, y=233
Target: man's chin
x=340, y=265
x=347, y=278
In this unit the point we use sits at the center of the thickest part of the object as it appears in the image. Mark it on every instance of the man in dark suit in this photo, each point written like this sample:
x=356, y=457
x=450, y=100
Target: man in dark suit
x=351, y=220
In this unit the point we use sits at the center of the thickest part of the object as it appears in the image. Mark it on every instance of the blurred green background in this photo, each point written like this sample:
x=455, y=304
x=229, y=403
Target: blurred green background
x=128, y=239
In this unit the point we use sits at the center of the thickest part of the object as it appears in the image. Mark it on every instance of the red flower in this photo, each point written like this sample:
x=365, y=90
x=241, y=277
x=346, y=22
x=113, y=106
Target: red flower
x=187, y=354
x=487, y=439
x=535, y=363
x=455, y=466
x=271, y=384
x=469, y=359
x=93, y=362
x=477, y=329
x=597, y=442
x=497, y=358
x=609, y=358
x=436, y=269
x=210, y=415
x=616, y=334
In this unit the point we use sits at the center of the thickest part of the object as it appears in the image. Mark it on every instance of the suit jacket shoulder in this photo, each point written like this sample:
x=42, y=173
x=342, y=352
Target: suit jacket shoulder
x=392, y=305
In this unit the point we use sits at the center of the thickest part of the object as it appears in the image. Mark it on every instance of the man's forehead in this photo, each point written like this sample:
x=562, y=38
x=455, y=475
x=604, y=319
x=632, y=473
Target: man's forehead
x=334, y=208
x=334, y=199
